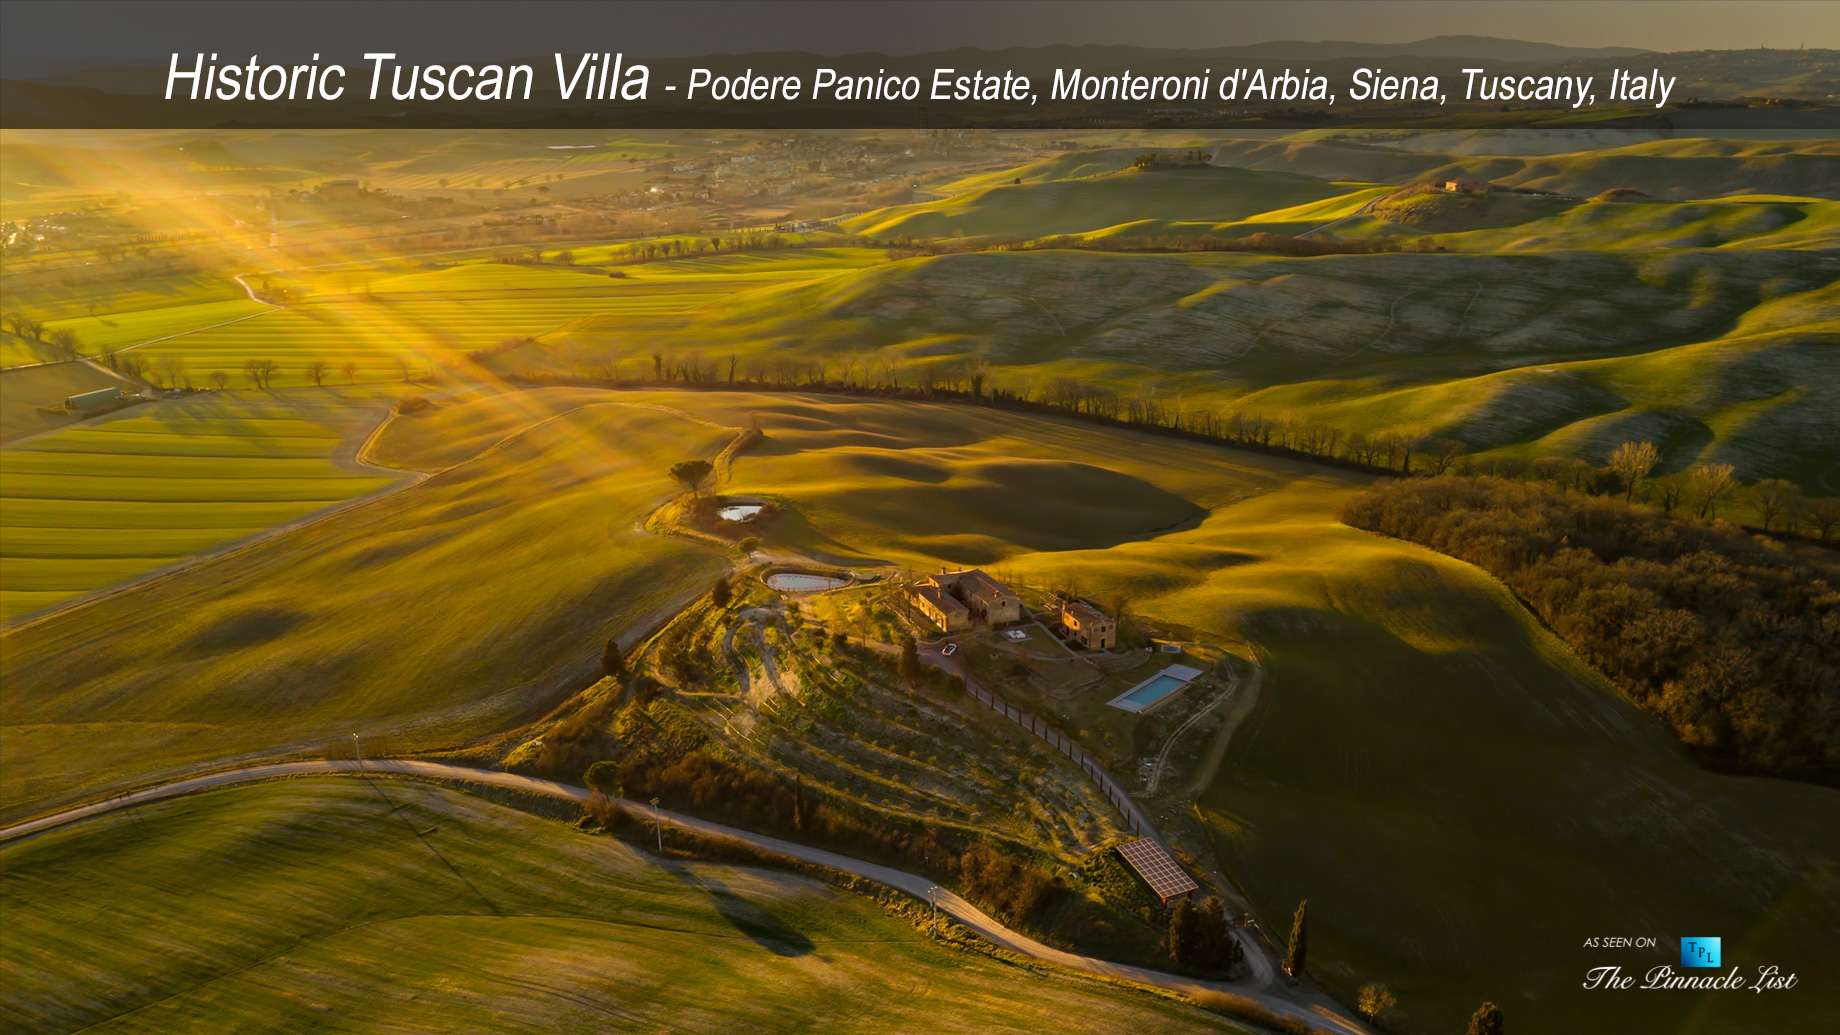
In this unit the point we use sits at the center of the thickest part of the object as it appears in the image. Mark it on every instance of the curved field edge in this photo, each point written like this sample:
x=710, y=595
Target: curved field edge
x=136, y=494
x=444, y=612
x=314, y=903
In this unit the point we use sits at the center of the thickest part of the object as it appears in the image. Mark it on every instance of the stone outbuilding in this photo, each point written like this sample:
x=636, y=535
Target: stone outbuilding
x=1089, y=626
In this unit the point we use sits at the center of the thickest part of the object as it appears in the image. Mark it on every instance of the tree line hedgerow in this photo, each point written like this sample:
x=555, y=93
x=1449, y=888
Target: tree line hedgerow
x=1732, y=639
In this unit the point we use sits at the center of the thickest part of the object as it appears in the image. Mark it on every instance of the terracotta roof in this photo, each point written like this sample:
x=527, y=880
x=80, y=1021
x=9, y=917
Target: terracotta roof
x=1085, y=613
x=979, y=585
x=940, y=599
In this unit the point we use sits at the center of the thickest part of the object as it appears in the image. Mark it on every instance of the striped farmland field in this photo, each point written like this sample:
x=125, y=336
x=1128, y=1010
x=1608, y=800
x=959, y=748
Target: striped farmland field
x=436, y=316
x=96, y=503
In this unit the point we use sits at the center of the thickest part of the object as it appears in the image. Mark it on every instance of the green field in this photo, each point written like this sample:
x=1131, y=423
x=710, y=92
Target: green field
x=1799, y=223
x=89, y=506
x=331, y=904
x=1676, y=170
x=1043, y=209
x=131, y=328
x=1499, y=351
x=379, y=319
x=441, y=613
x=57, y=295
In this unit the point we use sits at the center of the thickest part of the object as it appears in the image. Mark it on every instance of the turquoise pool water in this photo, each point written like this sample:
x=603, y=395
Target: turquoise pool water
x=1147, y=694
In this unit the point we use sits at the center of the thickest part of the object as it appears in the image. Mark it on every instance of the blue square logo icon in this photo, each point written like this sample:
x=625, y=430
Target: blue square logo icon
x=1699, y=952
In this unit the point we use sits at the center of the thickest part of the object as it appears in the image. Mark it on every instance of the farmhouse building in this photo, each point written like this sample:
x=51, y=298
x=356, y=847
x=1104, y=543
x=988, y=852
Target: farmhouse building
x=1089, y=626
x=945, y=610
x=952, y=599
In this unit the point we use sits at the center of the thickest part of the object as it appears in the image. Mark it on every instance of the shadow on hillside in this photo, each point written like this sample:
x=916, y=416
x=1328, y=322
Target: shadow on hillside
x=763, y=928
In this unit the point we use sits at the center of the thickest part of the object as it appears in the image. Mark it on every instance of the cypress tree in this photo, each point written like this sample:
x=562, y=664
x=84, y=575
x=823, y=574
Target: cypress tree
x=719, y=594
x=910, y=660
x=1184, y=933
x=1294, y=956
x=613, y=663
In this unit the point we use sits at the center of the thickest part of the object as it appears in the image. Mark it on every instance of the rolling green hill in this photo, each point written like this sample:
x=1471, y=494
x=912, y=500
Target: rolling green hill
x=1670, y=169
x=327, y=904
x=1742, y=222
x=1049, y=207
x=1073, y=165
x=1497, y=350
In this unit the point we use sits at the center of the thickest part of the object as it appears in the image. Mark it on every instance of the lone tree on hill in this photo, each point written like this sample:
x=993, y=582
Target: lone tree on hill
x=692, y=473
x=1294, y=956
x=603, y=778
x=1375, y=1000
x=613, y=663
x=1774, y=498
x=1486, y=1020
x=1824, y=516
x=719, y=594
x=350, y=370
x=1632, y=461
x=1709, y=483
x=910, y=660
x=317, y=371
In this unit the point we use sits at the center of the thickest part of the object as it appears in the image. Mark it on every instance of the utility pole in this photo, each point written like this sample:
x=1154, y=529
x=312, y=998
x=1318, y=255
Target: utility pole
x=657, y=826
x=932, y=926
x=357, y=750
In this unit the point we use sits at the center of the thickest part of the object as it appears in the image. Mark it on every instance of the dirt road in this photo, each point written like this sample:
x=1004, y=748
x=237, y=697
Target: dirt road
x=1314, y=1012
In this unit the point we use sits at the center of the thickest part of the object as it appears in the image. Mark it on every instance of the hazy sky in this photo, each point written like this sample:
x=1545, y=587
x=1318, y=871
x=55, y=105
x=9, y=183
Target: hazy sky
x=148, y=30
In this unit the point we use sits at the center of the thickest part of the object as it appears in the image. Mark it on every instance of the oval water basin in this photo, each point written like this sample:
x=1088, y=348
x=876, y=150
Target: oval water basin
x=798, y=582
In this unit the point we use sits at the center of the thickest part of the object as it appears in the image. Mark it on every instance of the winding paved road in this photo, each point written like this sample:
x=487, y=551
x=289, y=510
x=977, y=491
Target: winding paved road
x=1316, y=1012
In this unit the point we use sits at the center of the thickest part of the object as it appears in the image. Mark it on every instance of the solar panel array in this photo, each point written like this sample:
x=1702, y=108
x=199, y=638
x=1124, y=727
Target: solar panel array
x=1156, y=868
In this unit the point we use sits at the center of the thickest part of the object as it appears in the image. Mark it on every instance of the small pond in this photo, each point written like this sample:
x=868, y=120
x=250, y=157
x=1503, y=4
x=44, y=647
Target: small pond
x=739, y=512
x=799, y=582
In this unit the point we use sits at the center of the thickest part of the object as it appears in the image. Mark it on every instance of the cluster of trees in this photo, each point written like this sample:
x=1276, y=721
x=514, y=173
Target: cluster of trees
x=1171, y=159
x=740, y=241
x=62, y=339
x=1202, y=938
x=903, y=246
x=1728, y=637
x=1704, y=492
x=1267, y=243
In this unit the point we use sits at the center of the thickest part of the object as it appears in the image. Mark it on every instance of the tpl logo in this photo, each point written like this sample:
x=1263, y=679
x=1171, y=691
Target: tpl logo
x=1699, y=952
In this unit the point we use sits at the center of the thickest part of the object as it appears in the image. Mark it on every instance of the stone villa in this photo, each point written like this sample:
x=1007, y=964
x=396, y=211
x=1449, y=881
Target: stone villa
x=954, y=599
x=1089, y=626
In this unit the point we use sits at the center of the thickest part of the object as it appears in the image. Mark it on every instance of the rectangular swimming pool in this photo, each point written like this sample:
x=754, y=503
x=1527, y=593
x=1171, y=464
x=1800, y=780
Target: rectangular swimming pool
x=1151, y=692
